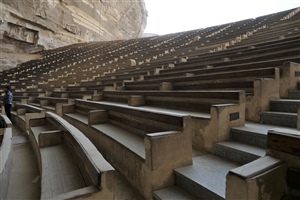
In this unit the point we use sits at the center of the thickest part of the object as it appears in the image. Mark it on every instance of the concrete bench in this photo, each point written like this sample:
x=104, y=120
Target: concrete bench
x=138, y=135
x=24, y=112
x=201, y=68
x=70, y=165
x=6, y=157
x=80, y=94
x=48, y=103
x=203, y=106
x=199, y=101
x=196, y=81
x=240, y=57
x=262, y=84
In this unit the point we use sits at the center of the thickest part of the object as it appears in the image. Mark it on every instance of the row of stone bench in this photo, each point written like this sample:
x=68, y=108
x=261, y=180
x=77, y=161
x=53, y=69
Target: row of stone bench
x=70, y=165
x=260, y=85
x=127, y=127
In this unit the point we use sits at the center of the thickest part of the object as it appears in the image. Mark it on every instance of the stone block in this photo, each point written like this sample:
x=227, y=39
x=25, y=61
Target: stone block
x=97, y=117
x=166, y=86
x=97, y=97
x=136, y=100
x=182, y=60
x=131, y=63
x=50, y=138
x=197, y=38
x=44, y=102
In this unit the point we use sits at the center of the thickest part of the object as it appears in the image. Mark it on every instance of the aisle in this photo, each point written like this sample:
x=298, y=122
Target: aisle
x=23, y=183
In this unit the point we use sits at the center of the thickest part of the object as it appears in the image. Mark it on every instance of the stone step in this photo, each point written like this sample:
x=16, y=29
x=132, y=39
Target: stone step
x=172, y=193
x=252, y=134
x=279, y=118
x=285, y=105
x=294, y=94
x=206, y=178
x=238, y=152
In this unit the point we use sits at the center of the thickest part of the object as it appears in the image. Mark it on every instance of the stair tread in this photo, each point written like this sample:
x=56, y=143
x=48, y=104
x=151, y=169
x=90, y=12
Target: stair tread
x=256, y=128
x=279, y=113
x=208, y=171
x=173, y=193
x=286, y=101
x=244, y=147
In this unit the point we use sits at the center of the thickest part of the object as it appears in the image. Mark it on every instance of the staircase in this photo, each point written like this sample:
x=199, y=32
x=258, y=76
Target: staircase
x=206, y=178
x=283, y=112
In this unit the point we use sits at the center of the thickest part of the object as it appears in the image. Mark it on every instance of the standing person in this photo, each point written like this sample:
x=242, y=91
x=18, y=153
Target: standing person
x=7, y=101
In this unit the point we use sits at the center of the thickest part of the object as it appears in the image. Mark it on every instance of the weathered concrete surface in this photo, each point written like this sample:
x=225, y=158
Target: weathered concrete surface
x=23, y=183
x=30, y=26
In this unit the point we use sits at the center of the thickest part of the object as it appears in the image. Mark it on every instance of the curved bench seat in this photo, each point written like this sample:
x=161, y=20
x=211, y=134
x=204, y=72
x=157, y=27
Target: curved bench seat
x=69, y=163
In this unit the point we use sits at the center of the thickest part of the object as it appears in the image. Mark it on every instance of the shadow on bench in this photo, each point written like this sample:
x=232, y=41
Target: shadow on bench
x=24, y=112
x=70, y=165
x=145, y=146
x=213, y=112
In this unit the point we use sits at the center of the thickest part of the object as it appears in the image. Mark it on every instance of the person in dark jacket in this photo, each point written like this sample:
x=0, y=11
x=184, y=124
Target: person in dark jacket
x=7, y=101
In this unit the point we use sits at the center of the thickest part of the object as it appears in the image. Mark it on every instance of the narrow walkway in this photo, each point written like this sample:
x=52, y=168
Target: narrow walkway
x=23, y=182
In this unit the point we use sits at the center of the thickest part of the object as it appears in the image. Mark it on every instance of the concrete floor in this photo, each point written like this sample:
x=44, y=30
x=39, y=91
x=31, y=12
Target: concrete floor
x=24, y=182
x=24, y=170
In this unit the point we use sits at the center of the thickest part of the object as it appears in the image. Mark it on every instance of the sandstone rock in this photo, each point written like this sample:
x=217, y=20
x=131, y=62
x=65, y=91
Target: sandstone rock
x=33, y=25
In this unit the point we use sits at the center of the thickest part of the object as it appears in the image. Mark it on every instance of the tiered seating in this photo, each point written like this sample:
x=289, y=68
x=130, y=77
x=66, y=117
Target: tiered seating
x=156, y=100
x=82, y=174
x=70, y=165
x=139, y=135
x=24, y=113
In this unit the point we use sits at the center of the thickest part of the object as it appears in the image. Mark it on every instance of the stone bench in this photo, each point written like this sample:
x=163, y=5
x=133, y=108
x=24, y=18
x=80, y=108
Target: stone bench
x=48, y=103
x=24, y=112
x=261, y=84
x=240, y=56
x=198, y=101
x=203, y=106
x=197, y=81
x=141, y=136
x=6, y=157
x=80, y=94
x=224, y=67
x=70, y=165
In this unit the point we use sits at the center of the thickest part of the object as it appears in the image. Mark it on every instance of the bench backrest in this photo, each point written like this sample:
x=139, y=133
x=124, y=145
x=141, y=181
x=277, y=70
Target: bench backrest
x=29, y=108
x=187, y=100
x=136, y=120
x=89, y=160
x=52, y=100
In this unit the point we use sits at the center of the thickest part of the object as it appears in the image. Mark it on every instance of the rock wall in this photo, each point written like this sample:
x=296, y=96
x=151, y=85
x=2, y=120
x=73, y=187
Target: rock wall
x=28, y=26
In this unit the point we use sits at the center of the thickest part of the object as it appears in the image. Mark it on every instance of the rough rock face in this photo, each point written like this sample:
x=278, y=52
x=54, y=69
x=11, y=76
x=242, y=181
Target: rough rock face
x=30, y=25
